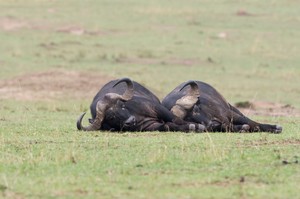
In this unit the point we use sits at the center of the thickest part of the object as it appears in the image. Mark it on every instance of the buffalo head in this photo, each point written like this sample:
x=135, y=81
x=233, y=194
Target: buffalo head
x=112, y=108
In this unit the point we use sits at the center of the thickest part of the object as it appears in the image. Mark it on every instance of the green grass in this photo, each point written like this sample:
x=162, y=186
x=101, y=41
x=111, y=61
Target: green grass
x=160, y=44
x=42, y=155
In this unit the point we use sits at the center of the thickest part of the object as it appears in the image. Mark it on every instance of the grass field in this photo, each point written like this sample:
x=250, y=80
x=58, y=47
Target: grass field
x=55, y=55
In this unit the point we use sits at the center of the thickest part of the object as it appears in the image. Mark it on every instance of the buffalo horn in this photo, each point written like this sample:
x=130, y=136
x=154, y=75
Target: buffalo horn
x=91, y=127
x=187, y=101
x=96, y=125
x=128, y=94
x=102, y=105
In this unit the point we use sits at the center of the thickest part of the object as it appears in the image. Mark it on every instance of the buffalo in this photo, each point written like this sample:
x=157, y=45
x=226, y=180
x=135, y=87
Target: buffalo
x=125, y=105
x=201, y=103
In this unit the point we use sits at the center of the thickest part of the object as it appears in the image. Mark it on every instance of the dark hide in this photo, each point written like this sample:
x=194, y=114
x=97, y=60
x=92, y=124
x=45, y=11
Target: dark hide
x=139, y=91
x=212, y=110
x=142, y=112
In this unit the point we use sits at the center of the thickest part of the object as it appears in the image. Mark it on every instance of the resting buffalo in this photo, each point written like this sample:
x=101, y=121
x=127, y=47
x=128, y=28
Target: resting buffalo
x=201, y=103
x=125, y=105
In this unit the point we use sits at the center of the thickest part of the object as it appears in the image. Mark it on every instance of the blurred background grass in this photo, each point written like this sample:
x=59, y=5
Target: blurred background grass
x=248, y=50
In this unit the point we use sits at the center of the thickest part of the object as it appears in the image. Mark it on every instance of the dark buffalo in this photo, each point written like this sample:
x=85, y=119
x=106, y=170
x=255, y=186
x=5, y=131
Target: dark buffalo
x=125, y=105
x=201, y=103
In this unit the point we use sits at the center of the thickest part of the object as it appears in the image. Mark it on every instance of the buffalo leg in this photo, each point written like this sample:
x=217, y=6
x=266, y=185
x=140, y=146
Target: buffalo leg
x=239, y=119
x=175, y=123
x=169, y=126
x=240, y=128
x=188, y=127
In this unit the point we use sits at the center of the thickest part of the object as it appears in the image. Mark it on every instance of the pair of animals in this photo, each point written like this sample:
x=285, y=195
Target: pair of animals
x=125, y=105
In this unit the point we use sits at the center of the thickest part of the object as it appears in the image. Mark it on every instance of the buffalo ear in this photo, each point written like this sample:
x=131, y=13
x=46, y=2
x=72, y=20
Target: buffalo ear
x=186, y=102
x=179, y=111
x=183, y=105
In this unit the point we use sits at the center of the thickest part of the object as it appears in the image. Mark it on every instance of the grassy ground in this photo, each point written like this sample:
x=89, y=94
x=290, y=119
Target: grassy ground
x=248, y=50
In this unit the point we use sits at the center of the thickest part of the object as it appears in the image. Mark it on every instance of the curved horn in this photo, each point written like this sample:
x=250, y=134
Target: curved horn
x=187, y=101
x=101, y=107
x=128, y=94
x=97, y=122
x=194, y=91
x=92, y=127
x=79, y=125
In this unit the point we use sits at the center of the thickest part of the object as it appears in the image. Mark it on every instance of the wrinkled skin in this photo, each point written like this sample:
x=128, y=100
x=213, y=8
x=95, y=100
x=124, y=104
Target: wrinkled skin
x=153, y=117
x=142, y=112
x=212, y=110
x=121, y=121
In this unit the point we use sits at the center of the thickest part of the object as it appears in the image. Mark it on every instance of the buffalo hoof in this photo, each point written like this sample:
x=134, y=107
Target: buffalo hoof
x=278, y=129
x=200, y=128
x=245, y=128
x=192, y=127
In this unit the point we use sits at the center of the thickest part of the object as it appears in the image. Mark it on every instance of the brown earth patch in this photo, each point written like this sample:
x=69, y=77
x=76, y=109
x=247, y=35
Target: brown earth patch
x=51, y=85
x=11, y=194
x=244, y=13
x=78, y=30
x=10, y=24
x=256, y=143
x=267, y=109
x=63, y=84
x=221, y=183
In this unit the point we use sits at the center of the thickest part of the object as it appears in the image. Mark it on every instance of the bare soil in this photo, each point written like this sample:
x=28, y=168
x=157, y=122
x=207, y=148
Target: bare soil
x=10, y=24
x=52, y=85
x=269, y=109
x=63, y=84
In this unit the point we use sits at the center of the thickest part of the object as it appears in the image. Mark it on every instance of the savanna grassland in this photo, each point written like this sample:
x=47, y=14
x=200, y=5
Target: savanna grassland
x=55, y=55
